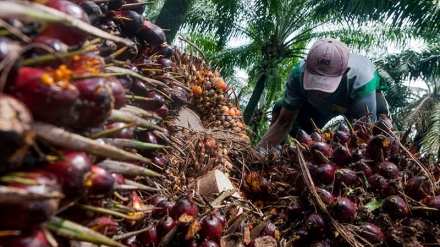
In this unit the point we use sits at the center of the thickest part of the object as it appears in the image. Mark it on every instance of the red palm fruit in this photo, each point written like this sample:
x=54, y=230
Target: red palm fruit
x=163, y=111
x=393, y=187
x=395, y=206
x=325, y=195
x=164, y=226
x=321, y=243
x=295, y=209
x=87, y=63
x=344, y=128
x=362, y=167
x=15, y=120
x=27, y=214
x=341, y=137
x=415, y=223
x=92, y=10
x=432, y=202
x=377, y=183
x=359, y=154
x=100, y=183
x=382, y=145
x=184, y=205
x=155, y=101
x=129, y=20
x=418, y=187
x=161, y=160
x=118, y=92
x=163, y=208
x=29, y=238
x=154, y=200
x=149, y=238
x=49, y=95
x=95, y=102
x=209, y=243
x=342, y=209
x=141, y=9
x=220, y=216
x=326, y=173
x=344, y=177
x=139, y=88
x=321, y=147
x=211, y=228
x=49, y=46
x=145, y=136
x=105, y=225
x=317, y=137
x=152, y=34
x=71, y=172
x=388, y=170
x=341, y=156
x=316, y=224
x=371, y=233
x=179, y=96
x=381, y=128
x=53, y=45
x=270, y=230
x=290, y=152
x=304, y=138
x=125, y=133
x=115, y=4
x=165, y=50
x=66, y=34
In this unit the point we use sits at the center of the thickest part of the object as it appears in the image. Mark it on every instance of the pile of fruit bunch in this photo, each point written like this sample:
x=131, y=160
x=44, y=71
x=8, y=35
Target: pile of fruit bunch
x=88, y=94
x=353, y=185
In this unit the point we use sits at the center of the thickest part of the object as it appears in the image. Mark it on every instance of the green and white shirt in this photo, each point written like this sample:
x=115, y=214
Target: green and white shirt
x=355, y=91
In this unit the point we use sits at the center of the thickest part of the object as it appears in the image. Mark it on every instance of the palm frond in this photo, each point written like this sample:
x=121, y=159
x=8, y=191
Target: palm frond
x=431, y=140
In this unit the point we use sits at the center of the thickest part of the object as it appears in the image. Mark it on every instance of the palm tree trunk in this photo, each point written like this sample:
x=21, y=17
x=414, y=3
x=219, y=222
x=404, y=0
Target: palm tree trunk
x=255, y=97
x=171, y=16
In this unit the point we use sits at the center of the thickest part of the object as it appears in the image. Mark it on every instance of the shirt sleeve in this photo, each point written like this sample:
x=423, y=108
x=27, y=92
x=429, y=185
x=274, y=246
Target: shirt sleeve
x=293, y=98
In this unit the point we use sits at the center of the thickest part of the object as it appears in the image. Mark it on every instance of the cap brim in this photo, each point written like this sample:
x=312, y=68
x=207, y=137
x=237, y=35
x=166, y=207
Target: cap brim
x=327, y=84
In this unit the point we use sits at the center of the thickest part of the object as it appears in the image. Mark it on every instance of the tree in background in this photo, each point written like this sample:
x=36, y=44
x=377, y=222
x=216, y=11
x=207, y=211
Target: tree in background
x=172, y=15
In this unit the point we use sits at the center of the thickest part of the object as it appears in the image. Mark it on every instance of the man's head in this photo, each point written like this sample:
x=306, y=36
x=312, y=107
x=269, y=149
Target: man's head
x=326, y=63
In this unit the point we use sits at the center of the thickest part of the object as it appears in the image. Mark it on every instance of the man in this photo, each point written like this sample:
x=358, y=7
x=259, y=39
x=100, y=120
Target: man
x=331, y=81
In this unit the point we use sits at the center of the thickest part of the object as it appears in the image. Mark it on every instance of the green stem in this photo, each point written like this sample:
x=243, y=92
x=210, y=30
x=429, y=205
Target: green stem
x=78, y=232
x=111, y=131
x=127, y=168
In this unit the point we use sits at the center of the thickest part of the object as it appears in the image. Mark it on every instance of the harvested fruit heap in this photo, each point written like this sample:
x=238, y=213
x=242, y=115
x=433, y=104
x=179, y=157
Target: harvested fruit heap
x=90, y=149
x=350, y=186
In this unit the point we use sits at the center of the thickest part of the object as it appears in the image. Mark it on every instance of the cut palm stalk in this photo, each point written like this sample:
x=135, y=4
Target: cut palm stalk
x=130, y=187
x=62, y=138
x=132, y=144
x=129, y=6
x=128, y=169
x=111, y=131
x=130, y=234
x=25, y=10
x=78, y=232
x=161, y=136
x=133, y=216
x=140, y=112
x=136, y=75
x=142, y=186
x=51, y=57
x=126, y=117
x=14, y=195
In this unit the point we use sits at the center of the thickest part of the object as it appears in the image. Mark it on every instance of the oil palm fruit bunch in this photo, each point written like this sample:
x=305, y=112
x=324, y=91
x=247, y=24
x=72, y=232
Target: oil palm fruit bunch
x=89, y=91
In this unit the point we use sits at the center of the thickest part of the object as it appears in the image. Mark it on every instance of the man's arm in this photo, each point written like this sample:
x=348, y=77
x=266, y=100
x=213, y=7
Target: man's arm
x=279, y=130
